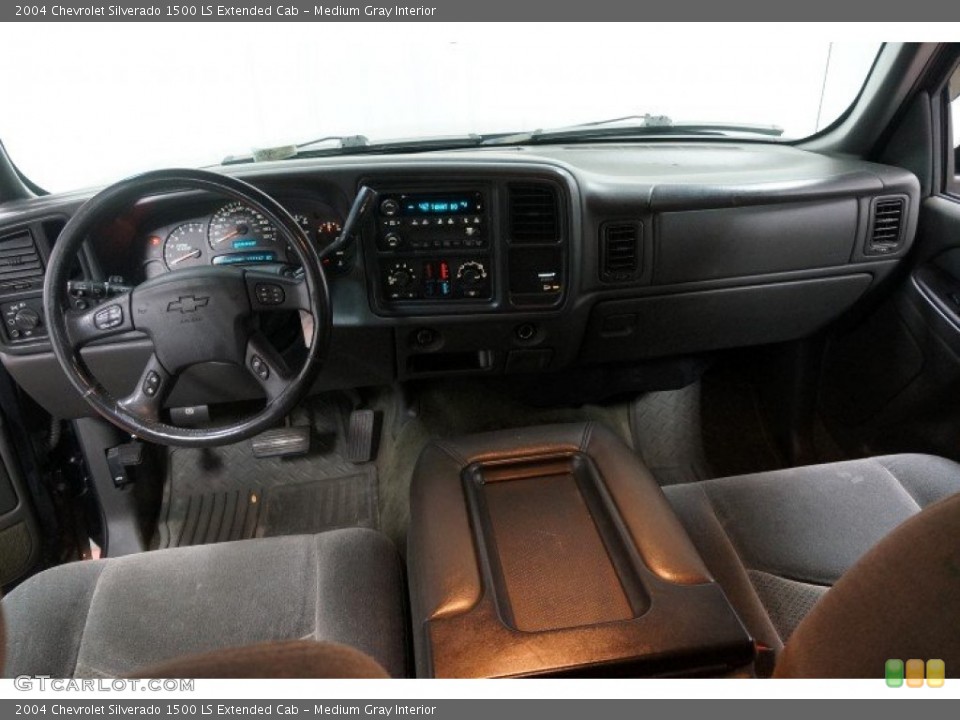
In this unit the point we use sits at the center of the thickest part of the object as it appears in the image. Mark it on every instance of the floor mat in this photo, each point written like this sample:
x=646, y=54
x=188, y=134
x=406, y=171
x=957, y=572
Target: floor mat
x=666, y=434
x=220, y=494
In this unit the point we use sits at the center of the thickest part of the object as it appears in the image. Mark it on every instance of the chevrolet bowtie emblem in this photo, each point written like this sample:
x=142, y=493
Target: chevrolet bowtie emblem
x=188, y=304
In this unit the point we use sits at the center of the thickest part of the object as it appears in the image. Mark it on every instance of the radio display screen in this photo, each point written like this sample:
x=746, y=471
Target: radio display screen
x=429, y=205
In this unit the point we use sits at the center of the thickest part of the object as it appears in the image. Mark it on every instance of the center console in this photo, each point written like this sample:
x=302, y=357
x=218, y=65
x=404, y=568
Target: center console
x=551, y=551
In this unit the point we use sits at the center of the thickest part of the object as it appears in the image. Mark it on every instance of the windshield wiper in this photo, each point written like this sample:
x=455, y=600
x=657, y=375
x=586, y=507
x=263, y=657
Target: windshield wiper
x=631, y=126
x=356, y=145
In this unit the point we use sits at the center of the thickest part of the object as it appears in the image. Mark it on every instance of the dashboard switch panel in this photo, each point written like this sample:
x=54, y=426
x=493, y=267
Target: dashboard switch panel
x=23, y=319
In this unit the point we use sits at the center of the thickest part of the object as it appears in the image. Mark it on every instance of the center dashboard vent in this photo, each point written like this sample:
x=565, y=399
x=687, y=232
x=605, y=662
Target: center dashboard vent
x=534, y=213
x=620, y=251
x=886, y=229
x=20, y=265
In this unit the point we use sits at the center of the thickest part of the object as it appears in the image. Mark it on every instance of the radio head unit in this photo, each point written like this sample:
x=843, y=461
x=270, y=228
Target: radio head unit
x=427, y=221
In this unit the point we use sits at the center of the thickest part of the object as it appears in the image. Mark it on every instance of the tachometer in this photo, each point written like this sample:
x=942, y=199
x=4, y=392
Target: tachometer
x=238, y=227
x=184, y=245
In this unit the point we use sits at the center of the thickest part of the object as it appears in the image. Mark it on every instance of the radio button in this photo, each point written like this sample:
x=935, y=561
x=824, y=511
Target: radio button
x=389, y=207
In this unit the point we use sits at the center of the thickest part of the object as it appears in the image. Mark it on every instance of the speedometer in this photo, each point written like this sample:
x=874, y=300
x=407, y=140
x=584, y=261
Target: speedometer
x=238, y=227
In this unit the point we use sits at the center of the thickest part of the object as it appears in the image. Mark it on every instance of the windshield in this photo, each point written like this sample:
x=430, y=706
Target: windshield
x=100, y=102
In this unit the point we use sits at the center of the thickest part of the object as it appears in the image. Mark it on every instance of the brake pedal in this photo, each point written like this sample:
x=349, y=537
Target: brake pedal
x=363, y=435
x=282, y=442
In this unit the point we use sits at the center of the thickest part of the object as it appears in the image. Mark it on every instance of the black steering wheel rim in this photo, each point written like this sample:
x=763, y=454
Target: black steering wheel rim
x=123, y=195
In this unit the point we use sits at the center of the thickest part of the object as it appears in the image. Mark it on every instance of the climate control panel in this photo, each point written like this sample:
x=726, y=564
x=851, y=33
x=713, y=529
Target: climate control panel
x=451, y=278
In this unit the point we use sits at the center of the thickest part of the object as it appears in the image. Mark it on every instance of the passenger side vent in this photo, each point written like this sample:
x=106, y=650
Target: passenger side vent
x=886, y=229
x=620, y=251
x=20, y=264
x=534, y=214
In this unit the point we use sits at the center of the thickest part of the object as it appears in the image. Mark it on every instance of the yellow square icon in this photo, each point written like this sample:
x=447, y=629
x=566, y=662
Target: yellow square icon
x=936, y=672
x=915, y=673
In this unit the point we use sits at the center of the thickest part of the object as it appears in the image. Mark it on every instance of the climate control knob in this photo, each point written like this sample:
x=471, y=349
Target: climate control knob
x=400, y=280
x=472, y=273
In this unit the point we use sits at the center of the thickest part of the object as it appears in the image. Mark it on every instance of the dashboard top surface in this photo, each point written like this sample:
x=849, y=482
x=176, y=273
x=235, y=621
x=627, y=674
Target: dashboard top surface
x=651, y=172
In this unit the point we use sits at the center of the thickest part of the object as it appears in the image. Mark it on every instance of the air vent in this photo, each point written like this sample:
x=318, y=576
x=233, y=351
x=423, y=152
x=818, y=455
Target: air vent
x=20, y=264
x=620, y=251
x=886, y=231
x=534, y=214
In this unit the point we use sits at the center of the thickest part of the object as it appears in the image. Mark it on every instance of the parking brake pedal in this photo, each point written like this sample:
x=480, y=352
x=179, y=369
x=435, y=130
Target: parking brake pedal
x=121, y=459
x=282, y=442
x=363, y=436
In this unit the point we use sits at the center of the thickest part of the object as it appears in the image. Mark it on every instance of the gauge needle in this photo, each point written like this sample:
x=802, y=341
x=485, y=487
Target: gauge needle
x=195, y=253
x=238, y=230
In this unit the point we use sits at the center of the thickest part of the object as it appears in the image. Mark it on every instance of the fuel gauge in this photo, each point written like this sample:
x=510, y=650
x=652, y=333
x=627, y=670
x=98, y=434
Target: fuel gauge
x=340, y=262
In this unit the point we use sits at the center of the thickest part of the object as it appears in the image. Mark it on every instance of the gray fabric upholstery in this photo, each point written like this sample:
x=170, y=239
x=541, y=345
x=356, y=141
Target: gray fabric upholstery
x=787, y=601
x=110, y=617
x=285, y=659
x=791, y=534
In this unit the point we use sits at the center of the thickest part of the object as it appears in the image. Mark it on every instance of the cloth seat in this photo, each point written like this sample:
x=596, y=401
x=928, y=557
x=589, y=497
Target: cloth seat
x=111, y=617
x=777, y=541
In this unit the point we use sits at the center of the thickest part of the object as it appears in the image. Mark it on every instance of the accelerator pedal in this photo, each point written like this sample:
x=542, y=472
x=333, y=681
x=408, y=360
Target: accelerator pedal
x=282, y=442
x=363, y=436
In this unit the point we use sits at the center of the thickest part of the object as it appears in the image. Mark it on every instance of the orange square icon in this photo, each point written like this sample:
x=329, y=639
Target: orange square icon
x=915, y=673
x=936, y=672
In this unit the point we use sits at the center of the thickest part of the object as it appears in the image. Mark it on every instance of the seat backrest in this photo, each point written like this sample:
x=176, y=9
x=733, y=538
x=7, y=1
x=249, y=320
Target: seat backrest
x=900, y=601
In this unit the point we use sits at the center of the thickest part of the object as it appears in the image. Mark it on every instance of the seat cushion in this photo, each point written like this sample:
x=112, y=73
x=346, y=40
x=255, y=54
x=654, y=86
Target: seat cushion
x=778, y=540
x=293, y=659
x=111, y=617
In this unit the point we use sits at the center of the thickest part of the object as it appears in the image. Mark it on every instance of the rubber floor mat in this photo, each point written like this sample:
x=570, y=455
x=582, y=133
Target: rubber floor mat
x=666, y=434
x=219, y=494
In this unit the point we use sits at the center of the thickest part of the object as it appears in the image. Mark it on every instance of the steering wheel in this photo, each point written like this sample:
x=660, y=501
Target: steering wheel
x=193, y=316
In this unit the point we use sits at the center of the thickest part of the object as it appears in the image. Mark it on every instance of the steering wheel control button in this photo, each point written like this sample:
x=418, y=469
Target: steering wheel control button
x=108, y=318
x=151, y=384
x=260, y=367
x=270, y=294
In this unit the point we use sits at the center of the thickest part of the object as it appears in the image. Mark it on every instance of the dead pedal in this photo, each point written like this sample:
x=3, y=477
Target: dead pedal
x=282, y=442
x=363, y=434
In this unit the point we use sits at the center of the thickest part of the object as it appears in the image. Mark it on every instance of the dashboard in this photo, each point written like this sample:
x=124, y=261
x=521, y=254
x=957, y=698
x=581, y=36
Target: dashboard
x=517, y=261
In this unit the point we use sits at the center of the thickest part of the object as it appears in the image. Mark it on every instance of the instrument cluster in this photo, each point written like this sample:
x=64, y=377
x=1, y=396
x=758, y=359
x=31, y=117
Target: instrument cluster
x=237, y=234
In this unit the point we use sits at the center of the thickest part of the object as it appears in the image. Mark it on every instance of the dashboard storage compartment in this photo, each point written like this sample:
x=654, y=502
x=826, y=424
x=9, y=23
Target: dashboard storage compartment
x=552, y=551
x=663, y=325
x=736, y=242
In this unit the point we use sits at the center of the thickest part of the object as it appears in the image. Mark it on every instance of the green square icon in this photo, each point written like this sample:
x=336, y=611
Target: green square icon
x=893, y=671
